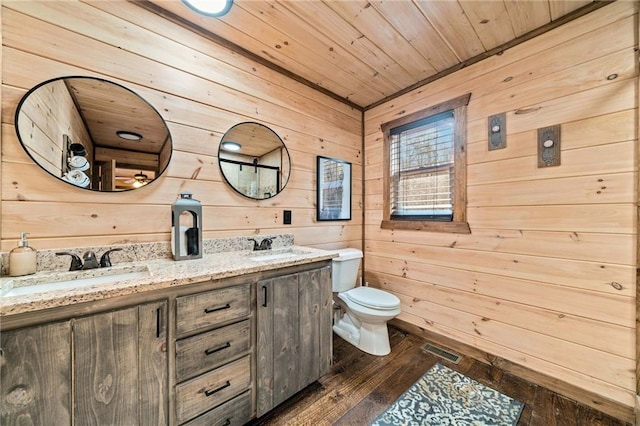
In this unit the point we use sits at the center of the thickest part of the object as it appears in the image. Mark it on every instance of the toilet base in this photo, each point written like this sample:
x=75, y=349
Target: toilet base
x=372, y=338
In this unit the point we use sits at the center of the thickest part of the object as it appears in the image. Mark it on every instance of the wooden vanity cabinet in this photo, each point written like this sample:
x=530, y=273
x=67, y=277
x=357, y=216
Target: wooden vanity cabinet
x=294, y=334
x=117, y=361
x=213, y=357
x=239, y=347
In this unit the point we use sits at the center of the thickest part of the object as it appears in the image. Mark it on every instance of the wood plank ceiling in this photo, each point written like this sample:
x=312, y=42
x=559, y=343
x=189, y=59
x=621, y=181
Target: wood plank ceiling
x=365, y=51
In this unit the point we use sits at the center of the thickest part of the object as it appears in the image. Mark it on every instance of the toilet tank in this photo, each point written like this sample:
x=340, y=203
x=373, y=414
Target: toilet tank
x=345, y=269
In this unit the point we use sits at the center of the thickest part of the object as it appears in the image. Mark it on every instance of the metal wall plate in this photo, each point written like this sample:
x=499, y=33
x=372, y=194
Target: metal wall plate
x=549, y=146
x=497, y=126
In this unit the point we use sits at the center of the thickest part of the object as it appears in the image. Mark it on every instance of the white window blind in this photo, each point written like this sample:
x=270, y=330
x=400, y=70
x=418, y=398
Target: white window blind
x=422, y=169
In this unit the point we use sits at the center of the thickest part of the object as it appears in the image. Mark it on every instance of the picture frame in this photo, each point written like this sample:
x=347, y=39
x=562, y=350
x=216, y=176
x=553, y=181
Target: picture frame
x=333, y=189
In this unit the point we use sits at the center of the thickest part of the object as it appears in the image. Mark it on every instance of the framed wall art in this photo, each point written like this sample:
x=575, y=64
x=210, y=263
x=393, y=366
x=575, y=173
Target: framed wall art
x=333, y=192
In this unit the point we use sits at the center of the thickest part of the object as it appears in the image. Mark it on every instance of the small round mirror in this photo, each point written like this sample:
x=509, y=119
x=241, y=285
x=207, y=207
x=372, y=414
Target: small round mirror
x=254, y=160
x=93, y=134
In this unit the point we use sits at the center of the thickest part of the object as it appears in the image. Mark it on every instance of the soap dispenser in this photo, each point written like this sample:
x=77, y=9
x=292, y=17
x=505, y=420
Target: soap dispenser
x=22, y=259
x=186, y=227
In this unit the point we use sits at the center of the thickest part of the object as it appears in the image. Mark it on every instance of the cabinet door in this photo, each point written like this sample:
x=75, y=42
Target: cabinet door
x=294, y=334
x=121, y=367
x=315, y=332
x=35, y=366
x=277, y=325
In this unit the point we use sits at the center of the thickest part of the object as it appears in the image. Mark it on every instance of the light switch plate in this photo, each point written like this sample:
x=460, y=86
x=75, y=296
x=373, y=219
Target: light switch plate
x=549, y=146
x=286, y=217
x=497, y=126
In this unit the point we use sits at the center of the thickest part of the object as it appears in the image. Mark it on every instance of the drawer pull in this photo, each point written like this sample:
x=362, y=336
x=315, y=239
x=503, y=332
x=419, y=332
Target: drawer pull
x=216, y=309
x=216, y=390
x=158, y=322
x=227, y=422
x=213, y=351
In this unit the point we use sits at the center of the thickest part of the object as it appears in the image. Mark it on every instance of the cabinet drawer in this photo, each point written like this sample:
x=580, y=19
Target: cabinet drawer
x=201, y=394
x=202, y=310
x=232, y=413
x=203, y=352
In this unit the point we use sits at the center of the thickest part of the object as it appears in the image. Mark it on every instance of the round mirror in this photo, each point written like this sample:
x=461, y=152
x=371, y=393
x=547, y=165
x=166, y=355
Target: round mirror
x=254, y=160
x=93, y=133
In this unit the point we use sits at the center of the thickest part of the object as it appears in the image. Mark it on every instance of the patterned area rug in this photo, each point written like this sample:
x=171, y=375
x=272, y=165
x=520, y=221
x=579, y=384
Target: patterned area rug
x=444, y=397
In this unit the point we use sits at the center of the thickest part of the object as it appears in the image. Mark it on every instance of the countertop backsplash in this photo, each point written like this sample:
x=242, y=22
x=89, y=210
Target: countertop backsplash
x=139, y=252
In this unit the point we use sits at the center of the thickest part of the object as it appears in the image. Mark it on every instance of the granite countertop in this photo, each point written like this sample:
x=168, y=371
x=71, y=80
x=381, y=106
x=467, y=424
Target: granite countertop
x=162, y=273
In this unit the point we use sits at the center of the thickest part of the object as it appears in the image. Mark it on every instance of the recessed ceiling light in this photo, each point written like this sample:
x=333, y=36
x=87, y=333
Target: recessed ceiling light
x=231, y=146
x=130, y=136
x=210, y=7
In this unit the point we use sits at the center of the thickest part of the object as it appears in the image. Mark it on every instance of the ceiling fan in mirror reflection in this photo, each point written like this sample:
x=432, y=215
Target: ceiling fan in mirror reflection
x=125, y=178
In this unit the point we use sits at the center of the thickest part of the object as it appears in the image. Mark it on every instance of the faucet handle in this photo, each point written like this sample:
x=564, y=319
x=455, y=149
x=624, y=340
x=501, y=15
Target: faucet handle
x=105, y=259
x=269, y=243
x=76, y=262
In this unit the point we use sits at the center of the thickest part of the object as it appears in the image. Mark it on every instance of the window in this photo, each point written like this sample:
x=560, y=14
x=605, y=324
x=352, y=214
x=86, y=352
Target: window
x=425, y=169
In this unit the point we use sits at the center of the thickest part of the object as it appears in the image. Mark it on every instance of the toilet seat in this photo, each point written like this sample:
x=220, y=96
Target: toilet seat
x=373, y=298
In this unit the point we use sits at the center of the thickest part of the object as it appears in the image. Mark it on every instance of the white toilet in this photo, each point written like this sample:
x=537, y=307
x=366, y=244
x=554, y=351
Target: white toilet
x=363, y=323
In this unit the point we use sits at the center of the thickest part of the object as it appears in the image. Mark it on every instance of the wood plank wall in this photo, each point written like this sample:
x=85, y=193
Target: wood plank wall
x=1, y=132
x=547, y=278
x=201, y=90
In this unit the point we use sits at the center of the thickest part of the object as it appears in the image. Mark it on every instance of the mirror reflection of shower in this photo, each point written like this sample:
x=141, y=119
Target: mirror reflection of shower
x=254, y=161
x=253, y=179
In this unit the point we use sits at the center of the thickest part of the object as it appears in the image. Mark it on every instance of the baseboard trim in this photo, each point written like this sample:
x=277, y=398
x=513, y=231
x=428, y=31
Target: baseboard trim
x=583, y=396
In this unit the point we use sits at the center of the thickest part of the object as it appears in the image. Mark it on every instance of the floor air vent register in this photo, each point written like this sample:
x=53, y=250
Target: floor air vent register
x=442, y=353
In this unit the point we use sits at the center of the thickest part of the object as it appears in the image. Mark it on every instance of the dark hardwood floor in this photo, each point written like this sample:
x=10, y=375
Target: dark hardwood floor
x=360, y=386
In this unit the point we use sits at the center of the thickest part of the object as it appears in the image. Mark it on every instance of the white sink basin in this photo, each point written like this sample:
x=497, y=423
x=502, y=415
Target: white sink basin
x=266, y=256
x=69, y=280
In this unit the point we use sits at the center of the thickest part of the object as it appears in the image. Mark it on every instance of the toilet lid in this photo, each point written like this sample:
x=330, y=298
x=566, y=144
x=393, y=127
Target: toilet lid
x=373, y=298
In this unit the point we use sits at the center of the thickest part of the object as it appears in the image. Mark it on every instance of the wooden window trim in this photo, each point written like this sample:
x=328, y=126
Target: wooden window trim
x=459, y=223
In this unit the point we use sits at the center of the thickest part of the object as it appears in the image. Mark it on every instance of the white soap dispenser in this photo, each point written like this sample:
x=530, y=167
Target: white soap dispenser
x=22, y=259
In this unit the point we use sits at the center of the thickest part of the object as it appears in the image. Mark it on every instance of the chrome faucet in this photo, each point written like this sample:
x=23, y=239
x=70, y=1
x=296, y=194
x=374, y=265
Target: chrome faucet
x=89, y=260
x=265, y=244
